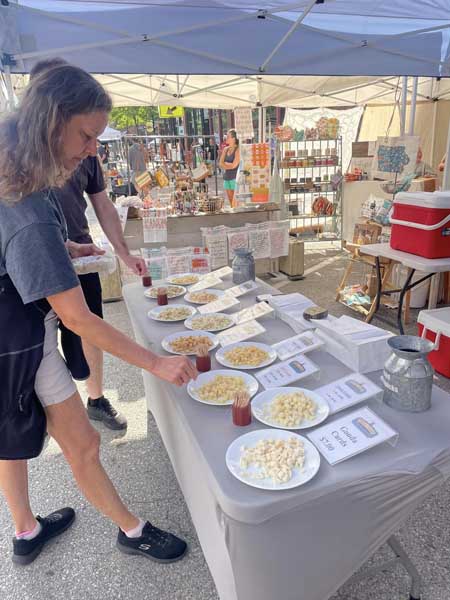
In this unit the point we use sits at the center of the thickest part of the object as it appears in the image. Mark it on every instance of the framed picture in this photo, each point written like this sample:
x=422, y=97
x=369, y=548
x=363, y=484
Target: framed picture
x=366, y=233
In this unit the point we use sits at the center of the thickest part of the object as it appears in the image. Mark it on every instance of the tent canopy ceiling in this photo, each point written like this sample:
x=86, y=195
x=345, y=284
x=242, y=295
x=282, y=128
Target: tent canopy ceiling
x=199, y=37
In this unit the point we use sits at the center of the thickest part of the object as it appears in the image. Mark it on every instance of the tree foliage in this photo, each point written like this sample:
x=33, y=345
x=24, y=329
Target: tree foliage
x=123, y=117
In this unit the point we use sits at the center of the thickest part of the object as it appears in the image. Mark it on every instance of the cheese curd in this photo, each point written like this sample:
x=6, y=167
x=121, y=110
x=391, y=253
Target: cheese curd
x=185, y=279
x=290, y=409
x=211, y=322
x=274, y=459
x=246, y=355
x=172, y=291
x=221, y=389
x=188, y=344
x=174, y=314
x=202, y=297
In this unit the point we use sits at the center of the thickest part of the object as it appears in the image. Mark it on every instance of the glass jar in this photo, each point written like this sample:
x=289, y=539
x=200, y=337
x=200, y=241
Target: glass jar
x=243, y=266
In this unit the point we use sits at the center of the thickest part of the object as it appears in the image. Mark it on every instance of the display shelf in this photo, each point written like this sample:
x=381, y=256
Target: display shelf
x=296, y=172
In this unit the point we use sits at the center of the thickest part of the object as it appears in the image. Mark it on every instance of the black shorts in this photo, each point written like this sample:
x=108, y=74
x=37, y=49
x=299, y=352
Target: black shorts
x=70, y=341
x=92, y=291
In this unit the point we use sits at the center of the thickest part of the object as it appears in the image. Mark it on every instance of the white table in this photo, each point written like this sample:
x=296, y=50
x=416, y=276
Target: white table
x=300, y=544
x=412, y=262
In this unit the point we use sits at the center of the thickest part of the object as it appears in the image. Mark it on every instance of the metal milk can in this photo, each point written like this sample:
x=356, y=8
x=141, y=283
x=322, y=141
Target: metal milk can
x=243, y=266
x=407, y=374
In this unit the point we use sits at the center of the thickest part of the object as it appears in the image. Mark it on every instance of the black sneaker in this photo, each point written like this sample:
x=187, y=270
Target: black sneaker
x=155, y=544
x=101, y=409
x=25, y=551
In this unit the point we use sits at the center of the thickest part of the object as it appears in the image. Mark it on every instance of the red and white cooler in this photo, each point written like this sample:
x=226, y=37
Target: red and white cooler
x=434, y=325
x=421, y=224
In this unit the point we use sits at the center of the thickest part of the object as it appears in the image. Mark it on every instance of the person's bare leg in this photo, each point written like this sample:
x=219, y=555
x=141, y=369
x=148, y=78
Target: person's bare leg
x=69, y=425
x=14, y=485
x=94, y=357
x=230, y=194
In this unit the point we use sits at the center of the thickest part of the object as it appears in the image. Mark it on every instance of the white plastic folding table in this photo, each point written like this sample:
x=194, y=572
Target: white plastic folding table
x=413, y=262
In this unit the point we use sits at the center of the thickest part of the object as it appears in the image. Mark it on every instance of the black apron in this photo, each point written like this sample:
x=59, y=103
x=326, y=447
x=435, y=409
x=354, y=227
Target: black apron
x=22, y=417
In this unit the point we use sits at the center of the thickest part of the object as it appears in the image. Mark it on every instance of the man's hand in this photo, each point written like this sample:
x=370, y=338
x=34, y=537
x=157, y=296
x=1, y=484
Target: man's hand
x=136, y=264
x=174, y=369
x=77, y=250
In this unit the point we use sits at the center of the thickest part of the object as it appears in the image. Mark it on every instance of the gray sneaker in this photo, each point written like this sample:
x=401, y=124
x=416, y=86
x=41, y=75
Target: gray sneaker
x=101, y=409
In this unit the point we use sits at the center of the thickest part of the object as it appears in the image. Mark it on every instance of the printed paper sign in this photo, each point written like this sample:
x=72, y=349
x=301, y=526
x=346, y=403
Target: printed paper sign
x=259, y=242
x=243, y=288
x=208, y=281
x=302, y=343
x=154, y=223
x=218, y=305
x=223, y=272
x=217, y=245
x=352, y=434
x=177, y=264
x=348, y=391
x=287, y=372
x=253, y=312
x=239, y=333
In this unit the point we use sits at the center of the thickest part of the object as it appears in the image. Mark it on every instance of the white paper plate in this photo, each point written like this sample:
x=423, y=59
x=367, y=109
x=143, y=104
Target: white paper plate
x=233, y=455
x=218, y=293
x=155, y=312
x=181, y=293
x=259, y=401
x=220, y=355
x=174, y=336
x=188, y=322
x=173, y=278
x=252, y=384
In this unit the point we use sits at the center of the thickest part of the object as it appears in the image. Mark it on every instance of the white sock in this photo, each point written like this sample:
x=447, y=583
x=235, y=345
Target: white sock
x=137, y=531
x=32, y=533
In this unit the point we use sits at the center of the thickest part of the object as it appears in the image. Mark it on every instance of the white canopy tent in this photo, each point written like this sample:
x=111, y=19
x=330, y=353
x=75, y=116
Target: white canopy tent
x=198, y=37
x=238, y=53
x=111, y=135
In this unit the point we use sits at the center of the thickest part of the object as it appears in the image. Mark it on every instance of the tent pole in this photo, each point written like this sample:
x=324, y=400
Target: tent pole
x=403, y=107
x=446, y=178
x=412, y=114
x=263, y=129
x=433, y=132
x=9, y=88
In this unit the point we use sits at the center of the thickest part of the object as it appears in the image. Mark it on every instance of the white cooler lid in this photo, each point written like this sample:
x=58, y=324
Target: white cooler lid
x=436, y=320
x=427, y=199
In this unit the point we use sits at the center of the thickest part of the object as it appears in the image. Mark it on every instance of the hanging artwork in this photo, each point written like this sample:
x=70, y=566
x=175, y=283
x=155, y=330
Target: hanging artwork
x=243, y=123
x=395, y=156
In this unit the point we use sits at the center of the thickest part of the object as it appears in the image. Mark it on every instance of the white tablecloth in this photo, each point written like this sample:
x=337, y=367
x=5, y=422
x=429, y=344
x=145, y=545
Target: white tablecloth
x=299, y=544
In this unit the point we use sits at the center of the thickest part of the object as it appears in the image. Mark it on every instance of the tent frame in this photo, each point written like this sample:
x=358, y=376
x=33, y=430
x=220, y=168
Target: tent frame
x=127, y=38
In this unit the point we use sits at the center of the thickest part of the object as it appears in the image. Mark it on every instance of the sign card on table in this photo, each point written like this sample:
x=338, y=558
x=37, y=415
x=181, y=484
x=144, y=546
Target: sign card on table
x=253, y=312
x=239, y=333
x=301, y=343
x=208, y=281
x=222, y=272
x=352, y=434
x=243, y=288
x=218, y=305
x=287, y=372
x=348, y=391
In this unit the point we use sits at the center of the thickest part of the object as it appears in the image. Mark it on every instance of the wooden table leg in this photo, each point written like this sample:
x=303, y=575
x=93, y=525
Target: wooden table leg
x=446, y=288
x=341, y=286
x=434, y=291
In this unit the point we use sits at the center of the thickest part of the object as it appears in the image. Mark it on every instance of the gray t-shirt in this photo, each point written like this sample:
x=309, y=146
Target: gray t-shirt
x=32, y=250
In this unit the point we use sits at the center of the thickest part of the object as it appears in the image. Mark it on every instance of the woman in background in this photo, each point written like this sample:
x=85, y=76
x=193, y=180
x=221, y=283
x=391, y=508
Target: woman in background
x=229, y=162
